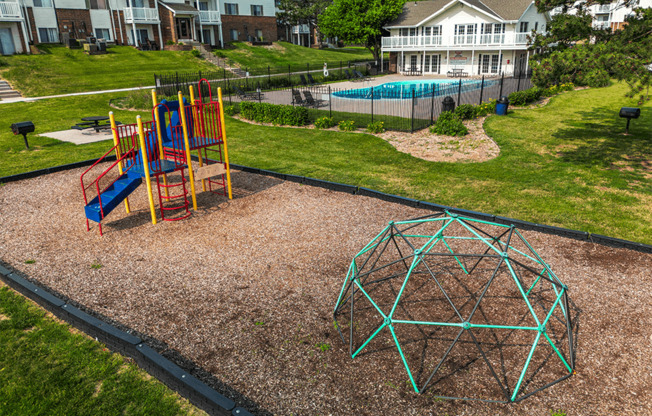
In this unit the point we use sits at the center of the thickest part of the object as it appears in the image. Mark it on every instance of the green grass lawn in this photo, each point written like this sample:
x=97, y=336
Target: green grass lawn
x=60, y=70
x=566, y=164
x=282, y=54
x=46, y=368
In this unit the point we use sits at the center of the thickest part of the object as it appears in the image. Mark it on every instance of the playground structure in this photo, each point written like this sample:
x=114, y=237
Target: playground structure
x=160, y=151
x=470, y=298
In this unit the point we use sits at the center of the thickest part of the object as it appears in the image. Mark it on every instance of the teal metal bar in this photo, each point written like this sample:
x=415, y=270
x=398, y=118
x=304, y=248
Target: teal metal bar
x=399, y=321
x=453, y=253
x=535, y=282
x=370, y=300
x=527, y=328
x=520, y=288
x=540, y=260
x=370, y=338
x=552, y=344
x=415, y=261
x=527, y=364
x=346, y=280
x=484, y=240
x=407, y=367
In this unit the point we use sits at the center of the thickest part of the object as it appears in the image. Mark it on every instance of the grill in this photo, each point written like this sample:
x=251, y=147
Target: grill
x=23, y=128
x=629, y=113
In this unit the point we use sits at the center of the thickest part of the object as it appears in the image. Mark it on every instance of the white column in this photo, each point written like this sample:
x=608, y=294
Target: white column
x=160, y=36
x=423, y=63
x=25, y=37
x=472, y=62
x=448, y=60
x=527, y=62
x=500, y=60
x=401, y=63
x=135, y=40
x=220, y=35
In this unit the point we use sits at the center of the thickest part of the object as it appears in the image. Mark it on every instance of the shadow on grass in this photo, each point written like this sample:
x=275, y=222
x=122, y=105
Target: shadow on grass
x=598, y=139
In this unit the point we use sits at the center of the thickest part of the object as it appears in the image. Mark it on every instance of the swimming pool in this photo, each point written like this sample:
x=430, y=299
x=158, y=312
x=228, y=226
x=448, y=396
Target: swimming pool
x=421, y=88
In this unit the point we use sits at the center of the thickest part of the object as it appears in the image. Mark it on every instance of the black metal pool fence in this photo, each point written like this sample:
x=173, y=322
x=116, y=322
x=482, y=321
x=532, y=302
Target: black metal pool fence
x=399, y=108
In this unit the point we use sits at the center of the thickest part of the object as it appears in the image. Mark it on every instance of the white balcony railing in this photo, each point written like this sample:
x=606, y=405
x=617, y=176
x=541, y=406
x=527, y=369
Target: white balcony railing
x=9, y=10
x=601, y=25
x=419, y=42
x=209, y=16
x=603, y=8
x=300, y=29
x=141, y=15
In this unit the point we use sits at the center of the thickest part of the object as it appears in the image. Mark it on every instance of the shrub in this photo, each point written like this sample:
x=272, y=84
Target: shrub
x=275, y=114
x=488, y=107
x=465, y=111
x=169, y=42
x=448, y=124
x=230, y=110
x=376, y=127
x=597, y=78
x=324, y=122
x=195, y=53
x=3, y=63
x=346, y=125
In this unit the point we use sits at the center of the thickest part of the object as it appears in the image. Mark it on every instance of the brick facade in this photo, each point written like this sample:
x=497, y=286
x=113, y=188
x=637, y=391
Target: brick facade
x=32, y=23
x=119, y=20
x=168, y=30
x=247, y=25
x=77, y=19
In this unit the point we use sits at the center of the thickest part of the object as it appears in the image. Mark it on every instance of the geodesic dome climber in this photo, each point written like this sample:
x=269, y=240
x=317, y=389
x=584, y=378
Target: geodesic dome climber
x=473, y=311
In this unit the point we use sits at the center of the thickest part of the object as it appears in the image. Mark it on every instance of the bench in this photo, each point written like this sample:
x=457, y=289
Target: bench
x=454, y=73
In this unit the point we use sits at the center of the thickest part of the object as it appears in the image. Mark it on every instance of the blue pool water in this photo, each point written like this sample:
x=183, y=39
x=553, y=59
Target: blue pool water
x=406, y=89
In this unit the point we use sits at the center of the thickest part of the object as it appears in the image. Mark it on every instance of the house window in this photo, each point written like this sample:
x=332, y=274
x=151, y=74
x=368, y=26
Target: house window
x=464, y=34
x=259, y=34
x=524, y=27
x=43, y=3
x=413, y=63
x=496, y=63
x=135, y=3
x=96, y=4
x=48, y=35
x=103, y=34
x=231, y=8
x=142, y=35
x=536, y=26
x=234, y=34
x=256, y=10
x=203, y=5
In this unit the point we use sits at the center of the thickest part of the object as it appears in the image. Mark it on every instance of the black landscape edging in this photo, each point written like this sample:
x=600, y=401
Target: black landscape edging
x=197, y=392
x=340, y=187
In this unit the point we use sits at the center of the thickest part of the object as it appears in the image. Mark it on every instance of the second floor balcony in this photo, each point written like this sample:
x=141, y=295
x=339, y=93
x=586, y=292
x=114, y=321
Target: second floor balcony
x=210, y=17
x=471, y=40
x=10, y=11
x=300, y=29
x=144, y=15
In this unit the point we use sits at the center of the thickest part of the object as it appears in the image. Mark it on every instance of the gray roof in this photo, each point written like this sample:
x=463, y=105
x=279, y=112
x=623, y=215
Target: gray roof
x=414, y=12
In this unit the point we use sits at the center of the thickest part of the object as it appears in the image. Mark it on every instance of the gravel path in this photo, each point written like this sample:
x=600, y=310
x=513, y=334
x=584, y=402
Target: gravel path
x=245, y=289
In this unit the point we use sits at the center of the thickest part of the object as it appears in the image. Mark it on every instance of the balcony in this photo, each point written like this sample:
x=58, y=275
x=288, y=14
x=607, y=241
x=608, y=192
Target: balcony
x=603, y=8
x=300, y=29
x=457, y=41
x=601, y=25
x=144, y=15
x=210, y=17
x=10, y=11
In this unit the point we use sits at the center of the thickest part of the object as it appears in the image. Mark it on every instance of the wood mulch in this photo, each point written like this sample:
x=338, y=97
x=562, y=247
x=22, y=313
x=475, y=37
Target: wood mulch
x=246, y=288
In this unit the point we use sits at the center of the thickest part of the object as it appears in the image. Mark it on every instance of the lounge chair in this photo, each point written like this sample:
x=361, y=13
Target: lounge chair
x=311, y=80
x=348, y=76
x=296, y=98
x=247, y=95
x=303, y=80
x=361, y=76
x=310, y=100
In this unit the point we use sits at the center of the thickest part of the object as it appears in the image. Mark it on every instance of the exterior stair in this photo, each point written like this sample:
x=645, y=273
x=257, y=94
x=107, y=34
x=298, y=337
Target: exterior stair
x=209, y=56
x=7, y=92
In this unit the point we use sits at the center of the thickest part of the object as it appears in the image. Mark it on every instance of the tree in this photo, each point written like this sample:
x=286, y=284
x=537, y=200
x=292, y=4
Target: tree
x=360, y=21
x=573, y=50
x=301, y=12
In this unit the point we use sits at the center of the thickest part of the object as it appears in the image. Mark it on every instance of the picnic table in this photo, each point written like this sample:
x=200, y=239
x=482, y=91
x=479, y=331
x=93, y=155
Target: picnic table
x=93, y=122
x=457, y=72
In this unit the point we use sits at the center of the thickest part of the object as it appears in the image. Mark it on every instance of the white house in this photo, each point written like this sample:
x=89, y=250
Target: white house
x=611, y=15
x=470, y=36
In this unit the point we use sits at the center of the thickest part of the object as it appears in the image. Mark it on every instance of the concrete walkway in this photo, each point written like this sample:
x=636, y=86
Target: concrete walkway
x=79, y=136
x=30, y=99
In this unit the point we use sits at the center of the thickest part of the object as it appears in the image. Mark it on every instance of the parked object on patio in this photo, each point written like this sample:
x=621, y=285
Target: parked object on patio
x=361, y=76
x=447, y=104
x=303, y=80
x=23, y=128
x=311, y=101
x=347, y=74
x=501, y=105
x=629, y=113
x=296, y=98
x=247, y=95
x=457, y=73
x=460, y=298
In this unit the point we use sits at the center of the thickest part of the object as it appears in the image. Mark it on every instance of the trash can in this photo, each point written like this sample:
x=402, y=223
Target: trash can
x=501, y=106
x=447, y=104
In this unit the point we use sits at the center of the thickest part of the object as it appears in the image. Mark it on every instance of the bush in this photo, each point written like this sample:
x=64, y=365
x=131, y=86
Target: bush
x=448, y=124
x=169, y=42
x=488, y=107
x=376, y=127
x=230, y=110
x=276, y=114
x=526, y=96
x=346, y=125
x=465, y=111
x=597, y=78
x=195, y=53
x=324, y=122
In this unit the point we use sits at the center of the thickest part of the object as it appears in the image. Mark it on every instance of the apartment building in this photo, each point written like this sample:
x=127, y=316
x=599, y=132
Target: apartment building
x=611, y=15
x=134, y=22
x=475, y=37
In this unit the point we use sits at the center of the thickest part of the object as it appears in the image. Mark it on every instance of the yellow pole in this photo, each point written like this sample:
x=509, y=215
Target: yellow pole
x=226, y=151
x=148, y=180
x=195, y=126
x=186, y=142
x=160, y=141
x=116, y=142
